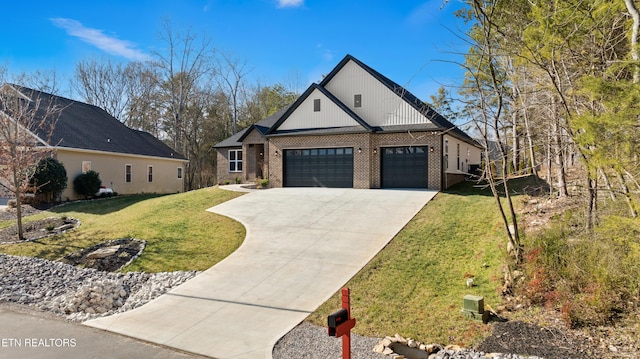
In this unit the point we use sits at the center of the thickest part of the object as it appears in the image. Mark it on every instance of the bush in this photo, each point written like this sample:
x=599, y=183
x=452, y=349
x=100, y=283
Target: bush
x=87, y=184
x=589, y=277
x=50, y=177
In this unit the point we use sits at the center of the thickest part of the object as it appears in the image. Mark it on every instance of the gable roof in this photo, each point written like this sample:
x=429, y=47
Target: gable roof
x=271, y=124
x=262, y=126
x=440, y=121
x=87, y=127
x=331, y=97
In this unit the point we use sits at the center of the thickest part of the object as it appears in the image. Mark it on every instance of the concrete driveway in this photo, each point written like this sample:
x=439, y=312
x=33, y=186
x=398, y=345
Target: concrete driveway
x=302, y=245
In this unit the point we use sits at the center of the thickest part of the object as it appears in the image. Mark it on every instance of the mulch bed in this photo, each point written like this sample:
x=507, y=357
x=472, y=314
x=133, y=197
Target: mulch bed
x=35, y=229
x=530, y=339
x=128, y=250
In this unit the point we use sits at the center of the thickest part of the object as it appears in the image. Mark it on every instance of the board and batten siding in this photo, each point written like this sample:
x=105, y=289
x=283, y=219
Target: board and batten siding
x=380, y=105
x=329, y=116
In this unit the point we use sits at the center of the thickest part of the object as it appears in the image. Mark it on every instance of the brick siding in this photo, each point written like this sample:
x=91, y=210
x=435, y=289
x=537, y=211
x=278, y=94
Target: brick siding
x=222, y=166
x=366, y=171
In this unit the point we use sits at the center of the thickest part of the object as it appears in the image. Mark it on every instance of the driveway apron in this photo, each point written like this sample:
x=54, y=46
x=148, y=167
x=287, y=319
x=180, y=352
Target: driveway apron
x=302, y=245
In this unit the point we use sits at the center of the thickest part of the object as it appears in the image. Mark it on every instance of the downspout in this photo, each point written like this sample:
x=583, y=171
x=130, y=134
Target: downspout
x=443, y=175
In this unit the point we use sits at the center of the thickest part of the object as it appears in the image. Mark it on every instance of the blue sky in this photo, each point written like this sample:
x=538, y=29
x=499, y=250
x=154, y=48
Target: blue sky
x=405, y=40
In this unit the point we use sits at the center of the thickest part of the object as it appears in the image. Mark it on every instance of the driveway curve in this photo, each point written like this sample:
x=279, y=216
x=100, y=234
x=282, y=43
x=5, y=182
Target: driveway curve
x=302, y=245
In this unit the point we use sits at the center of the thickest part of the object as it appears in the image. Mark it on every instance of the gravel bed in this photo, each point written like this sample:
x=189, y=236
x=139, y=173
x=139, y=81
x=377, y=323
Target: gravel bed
x=308, y=341
x=79, y=294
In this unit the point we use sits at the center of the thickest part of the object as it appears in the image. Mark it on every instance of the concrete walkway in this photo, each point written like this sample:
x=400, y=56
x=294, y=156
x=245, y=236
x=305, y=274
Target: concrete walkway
x=302, y=245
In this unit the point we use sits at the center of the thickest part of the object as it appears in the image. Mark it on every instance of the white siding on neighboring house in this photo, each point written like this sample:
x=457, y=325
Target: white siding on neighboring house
x=330, y=115
x=380, y=106
x=459, y=155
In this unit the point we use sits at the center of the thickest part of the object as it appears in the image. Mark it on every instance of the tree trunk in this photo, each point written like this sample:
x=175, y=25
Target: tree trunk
x=18, y=193
x=607, y=184
x=635, y=15
x=559, y=158
x=593, y=202
x=632, y=179
x=627, y=195
x=516, y=144
x=549, y=163
x=532, y=159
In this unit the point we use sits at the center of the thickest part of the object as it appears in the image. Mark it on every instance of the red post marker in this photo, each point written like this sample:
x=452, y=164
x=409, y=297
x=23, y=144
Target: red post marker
x=340, y=324
x=346, y=338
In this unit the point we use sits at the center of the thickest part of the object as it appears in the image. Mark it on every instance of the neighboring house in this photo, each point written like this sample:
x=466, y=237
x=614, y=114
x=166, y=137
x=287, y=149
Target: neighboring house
x=86, y=137
x=355, y=129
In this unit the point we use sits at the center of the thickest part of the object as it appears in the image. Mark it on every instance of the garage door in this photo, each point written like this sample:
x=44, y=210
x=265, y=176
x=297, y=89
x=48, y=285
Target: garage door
x=319, y=167
x=405, y=167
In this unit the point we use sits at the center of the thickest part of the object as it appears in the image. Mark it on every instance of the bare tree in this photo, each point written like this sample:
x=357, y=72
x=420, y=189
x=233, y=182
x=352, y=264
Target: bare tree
x=104, y=84
x=488, y=84
x=45, y=81
x=181, y=66
x=231, y=80
x=145, y=108
x=27, y=119
x=635, y=15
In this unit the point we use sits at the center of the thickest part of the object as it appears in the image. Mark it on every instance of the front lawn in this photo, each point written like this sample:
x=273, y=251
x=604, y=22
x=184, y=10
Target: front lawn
x=180, y=233
x=416, y=284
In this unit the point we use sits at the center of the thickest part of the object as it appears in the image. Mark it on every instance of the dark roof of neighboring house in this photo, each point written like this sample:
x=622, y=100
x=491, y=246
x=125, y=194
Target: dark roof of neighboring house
x=82, y=126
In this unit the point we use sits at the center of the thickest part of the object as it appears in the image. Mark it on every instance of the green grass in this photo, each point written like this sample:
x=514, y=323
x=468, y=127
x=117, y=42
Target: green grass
x=180, y=234
x=413, y=287
x=416, y=284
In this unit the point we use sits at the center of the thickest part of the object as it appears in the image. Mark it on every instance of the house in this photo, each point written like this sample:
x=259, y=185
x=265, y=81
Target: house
x=355, y=129
x=84, y=137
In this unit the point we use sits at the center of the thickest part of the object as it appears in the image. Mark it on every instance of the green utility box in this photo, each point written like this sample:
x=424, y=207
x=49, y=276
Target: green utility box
x=473, y=308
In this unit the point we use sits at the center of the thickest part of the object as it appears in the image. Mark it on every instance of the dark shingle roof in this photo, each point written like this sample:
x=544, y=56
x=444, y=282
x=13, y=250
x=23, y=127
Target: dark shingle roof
x=410, y=98
x=83, y=126
x=270, y=124
x=263, y=126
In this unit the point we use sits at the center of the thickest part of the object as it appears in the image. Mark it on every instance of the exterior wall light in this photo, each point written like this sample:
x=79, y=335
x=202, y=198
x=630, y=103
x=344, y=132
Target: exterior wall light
x=375, y=150
x=431, y=149
x=359, y=149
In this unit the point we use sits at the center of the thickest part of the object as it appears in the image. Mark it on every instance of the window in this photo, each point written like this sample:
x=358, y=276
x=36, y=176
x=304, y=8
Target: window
x=149, y=173
x=235, y=160
x=86, y=166
x=127, y=173
x=446, y=154
x=316, y=105
x=458, y=154
x=179, y=172
x=357, y=100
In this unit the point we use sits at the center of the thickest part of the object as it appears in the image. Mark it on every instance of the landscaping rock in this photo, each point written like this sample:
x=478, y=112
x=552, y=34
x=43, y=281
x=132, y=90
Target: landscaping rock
x=80, y=293
x=103, y=252
x=108, y=256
